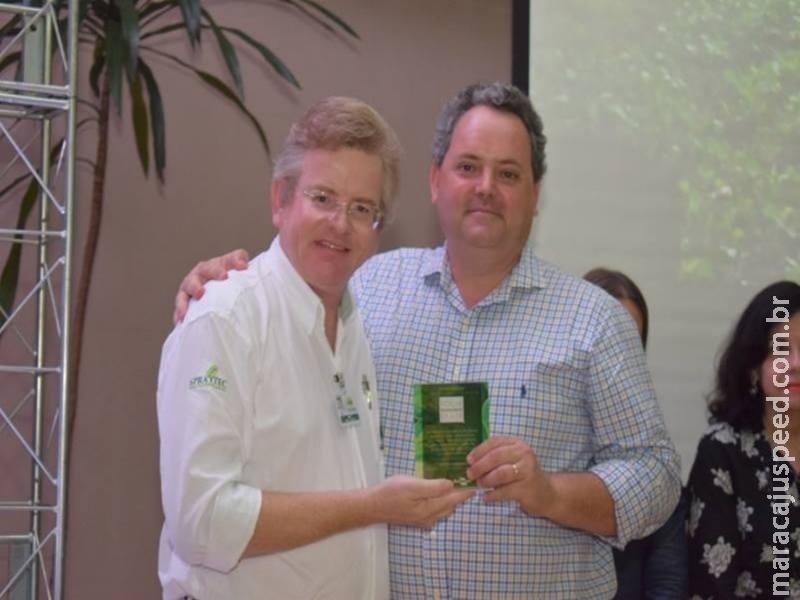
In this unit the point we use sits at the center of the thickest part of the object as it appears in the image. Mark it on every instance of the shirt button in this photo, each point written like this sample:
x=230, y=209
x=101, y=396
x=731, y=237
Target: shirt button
x=433, y=537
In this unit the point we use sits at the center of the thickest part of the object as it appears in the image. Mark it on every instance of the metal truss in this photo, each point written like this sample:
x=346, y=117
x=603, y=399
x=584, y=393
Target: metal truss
x=38, y=63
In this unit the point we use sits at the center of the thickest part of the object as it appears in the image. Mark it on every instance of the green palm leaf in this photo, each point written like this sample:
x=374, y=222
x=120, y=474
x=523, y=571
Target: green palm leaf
x=277, y=64
x=228, y=53
x=129, y=28
x=332, y=17
x=116, y=29
x=162, y=30
x=190, y=9
x=14, y=183
x=157, y=125
x=152, y=8
x=12, y=58
x=114, y=57
x=220, y=86
x=11, y=26
x=10, y=275
x=268, y=55
x=96, y=69
x=139, y=118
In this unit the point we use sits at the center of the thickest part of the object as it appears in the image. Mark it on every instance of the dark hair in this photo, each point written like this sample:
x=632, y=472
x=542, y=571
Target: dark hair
x=732, y=400
x=621, y=287
x=499, y=96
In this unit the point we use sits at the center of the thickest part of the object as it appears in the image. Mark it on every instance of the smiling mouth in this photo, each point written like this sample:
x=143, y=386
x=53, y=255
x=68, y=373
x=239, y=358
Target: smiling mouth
x=331, y=246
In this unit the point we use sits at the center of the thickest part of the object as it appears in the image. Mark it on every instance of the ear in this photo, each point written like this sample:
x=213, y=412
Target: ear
x=276, y=191
x=536, y=187
x=433, y=181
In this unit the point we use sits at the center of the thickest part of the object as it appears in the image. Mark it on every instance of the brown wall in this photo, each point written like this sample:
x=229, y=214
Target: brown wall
x=412, y=56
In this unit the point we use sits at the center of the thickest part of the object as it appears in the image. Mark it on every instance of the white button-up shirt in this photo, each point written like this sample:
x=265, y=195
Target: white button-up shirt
x=247, y=402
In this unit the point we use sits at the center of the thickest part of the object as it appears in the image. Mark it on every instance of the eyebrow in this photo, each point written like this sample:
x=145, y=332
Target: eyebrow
x=502, y=161
x=510, y=162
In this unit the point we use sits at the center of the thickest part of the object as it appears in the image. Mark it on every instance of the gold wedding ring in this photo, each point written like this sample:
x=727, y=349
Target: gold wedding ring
x=516, y=470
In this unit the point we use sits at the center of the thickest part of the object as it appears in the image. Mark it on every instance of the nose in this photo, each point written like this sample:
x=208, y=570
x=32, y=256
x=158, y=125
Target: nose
x=484, y=185
x=339, y=217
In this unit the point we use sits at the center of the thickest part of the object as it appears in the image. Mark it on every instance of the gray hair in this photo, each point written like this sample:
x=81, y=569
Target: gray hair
x=339, y=122
x=499, y=96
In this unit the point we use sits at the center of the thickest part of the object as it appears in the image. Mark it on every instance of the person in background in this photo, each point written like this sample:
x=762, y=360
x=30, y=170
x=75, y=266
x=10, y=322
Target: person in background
x=622, y=287
x=272, y=477
x=654, y=567
x=579, y=457
x=744, y=516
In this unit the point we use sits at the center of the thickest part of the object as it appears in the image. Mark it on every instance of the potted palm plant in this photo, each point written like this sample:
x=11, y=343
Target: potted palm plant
x=123, y=36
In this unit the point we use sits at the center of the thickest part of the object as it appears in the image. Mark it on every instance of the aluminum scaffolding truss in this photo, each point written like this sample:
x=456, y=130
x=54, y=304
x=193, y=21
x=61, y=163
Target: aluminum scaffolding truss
x=38, y=63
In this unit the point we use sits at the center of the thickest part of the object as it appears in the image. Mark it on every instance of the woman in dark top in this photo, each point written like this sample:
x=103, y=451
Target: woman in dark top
x=653, y=567
x=744, y=519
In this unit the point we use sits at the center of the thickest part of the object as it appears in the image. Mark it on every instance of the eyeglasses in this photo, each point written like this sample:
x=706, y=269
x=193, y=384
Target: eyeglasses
x=361, y=213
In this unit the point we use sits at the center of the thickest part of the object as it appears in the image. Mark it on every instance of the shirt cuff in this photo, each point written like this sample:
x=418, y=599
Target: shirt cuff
x=233, y=522
x=638, y=509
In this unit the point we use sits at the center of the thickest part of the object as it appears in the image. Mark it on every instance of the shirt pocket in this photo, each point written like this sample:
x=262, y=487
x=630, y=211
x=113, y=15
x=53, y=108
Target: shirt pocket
x=545, y=404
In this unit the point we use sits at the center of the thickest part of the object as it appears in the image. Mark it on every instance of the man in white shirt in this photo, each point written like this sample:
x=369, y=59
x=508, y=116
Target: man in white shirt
x=271, y=465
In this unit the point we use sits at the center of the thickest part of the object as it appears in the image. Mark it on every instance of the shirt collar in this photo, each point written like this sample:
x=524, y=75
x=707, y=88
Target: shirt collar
x=527, y=274
x=307, y=304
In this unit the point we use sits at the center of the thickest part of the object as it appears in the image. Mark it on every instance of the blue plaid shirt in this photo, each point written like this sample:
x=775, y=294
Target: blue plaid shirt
x=566, y=373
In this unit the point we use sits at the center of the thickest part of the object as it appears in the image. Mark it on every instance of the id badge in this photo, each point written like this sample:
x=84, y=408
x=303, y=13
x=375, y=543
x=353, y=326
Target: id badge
x=365, y=389
x=369, y=397
x=346, y=408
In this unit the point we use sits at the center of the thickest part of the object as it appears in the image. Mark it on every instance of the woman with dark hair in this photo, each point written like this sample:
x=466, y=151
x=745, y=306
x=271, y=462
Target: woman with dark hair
x=744, y=516
x=622, y=287
x=655, y=566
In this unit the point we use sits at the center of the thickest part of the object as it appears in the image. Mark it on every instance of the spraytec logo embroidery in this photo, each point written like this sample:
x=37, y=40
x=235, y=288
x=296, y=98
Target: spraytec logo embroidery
x=209, y=380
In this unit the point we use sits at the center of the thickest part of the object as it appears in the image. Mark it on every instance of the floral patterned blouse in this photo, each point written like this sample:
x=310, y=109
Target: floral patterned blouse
x=730, y=523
